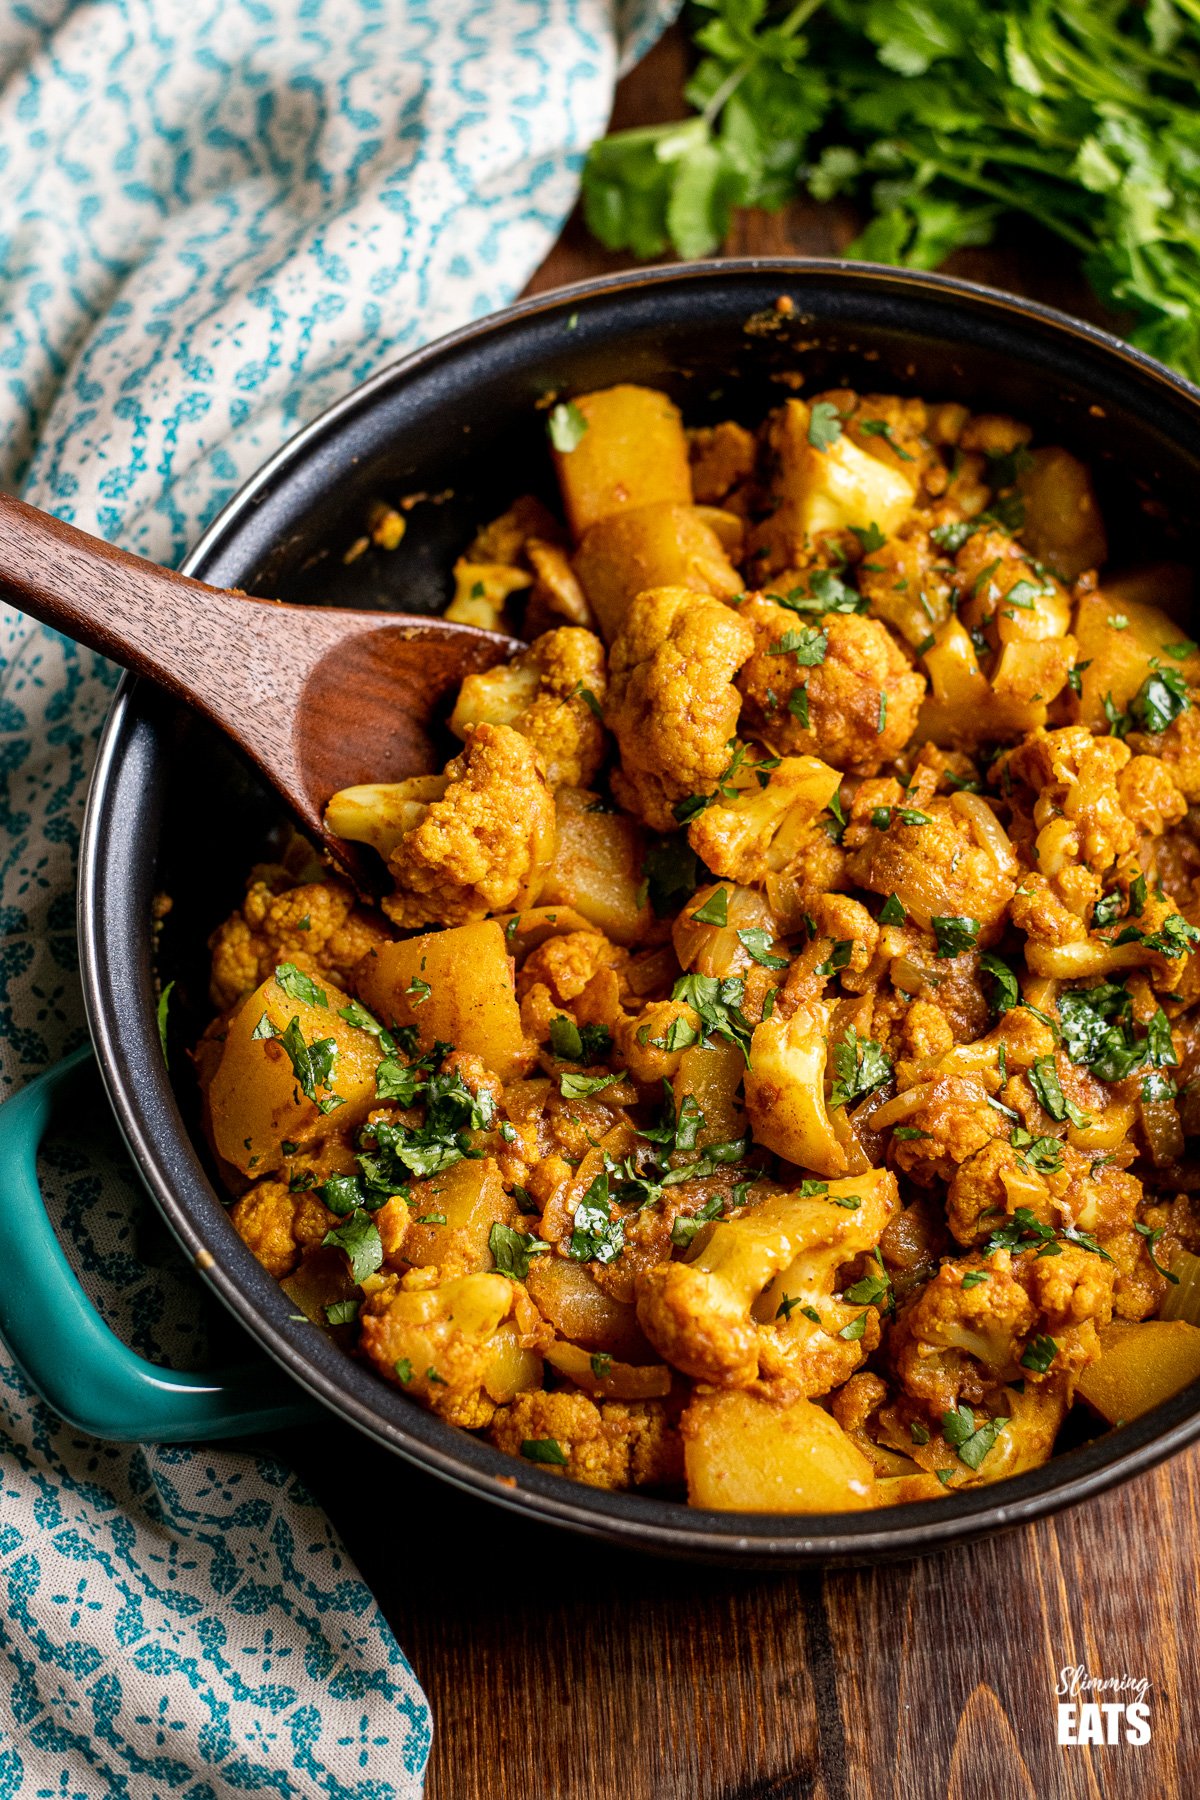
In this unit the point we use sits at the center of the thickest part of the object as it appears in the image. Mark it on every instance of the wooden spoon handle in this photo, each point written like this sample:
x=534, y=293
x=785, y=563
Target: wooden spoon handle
x=151, y=619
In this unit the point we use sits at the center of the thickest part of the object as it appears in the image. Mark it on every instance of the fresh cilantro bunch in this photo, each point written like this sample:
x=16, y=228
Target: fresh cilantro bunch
x=939, y=119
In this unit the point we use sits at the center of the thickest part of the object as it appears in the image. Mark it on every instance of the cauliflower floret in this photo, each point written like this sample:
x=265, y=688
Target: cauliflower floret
x=577, y=974
x=722, y=457
x=1077, y=811
x=1177, y=749
x=279, y=1226
x=319, y=923
x=983, y=1322
x=841, y=689
x=452, y=1345
x=735, y=1306
x=671, y=703
x=785, y=1091
x=958, y=1339
x=481, y=592
x=1079, y=1190
x=952, y=1119
x=752, y=832
x=551, y=694
x=942, y=856
x=614, y=1444
x=485, y=844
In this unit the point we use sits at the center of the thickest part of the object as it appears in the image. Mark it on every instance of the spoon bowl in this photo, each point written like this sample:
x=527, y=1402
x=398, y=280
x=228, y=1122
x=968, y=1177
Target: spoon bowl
x=318, y=698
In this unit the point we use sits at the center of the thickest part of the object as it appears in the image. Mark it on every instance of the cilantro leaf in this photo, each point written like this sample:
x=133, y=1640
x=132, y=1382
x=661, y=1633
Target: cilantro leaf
x=299, y=986
x=757, y=941
x=871, y=539
x=671, y=871
x=566, y=426
x=597, y=1236
x=715, y=910
x=971, y=1441
x=544, y=1450
x=955, y=933
x=824, y=425
x=359, y=1238
x=1162, y=698
x=1006, y=991
x=160, y=1015
x=511, y=1250
x=860, y=1066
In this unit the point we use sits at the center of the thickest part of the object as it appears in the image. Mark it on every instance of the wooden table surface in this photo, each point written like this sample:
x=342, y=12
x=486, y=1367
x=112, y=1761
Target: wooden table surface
x=561, y=1670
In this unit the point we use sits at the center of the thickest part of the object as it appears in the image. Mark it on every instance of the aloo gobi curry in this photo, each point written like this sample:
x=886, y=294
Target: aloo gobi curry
x=768, y=1078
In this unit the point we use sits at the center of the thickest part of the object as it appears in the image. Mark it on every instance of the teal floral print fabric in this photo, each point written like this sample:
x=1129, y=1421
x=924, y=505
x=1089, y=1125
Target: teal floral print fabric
x=216, y=216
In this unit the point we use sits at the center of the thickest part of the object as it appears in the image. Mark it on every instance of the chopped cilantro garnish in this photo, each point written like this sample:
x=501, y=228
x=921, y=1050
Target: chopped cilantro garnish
x=299, y=986
x=160, y=1014
x=1152, y=1238
x=341, y=1312
x=566, y=426
x=683, y=1229
x=359, y=1238
x=597, y=1236
x=756, y=941
x=1006, y=991
x=955, y=933
x=808, y=644
x=838, y=957
x=580, y=1087
x=715, y=910
x=1162, y=698
x=671, y=871
x=871, y=539
x=881, y=429
x=1043, y=1079
x=972, y=1441
x=824, y=425
x=544, y=1450
x=312, y=1064
x=579, y=1043
x=511, y=1250
x=860, y=1067
x=872, y=1290
x=1039, y=1353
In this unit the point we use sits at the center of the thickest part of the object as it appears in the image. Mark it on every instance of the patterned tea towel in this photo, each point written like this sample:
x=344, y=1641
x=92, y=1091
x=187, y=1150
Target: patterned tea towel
x=215, y=217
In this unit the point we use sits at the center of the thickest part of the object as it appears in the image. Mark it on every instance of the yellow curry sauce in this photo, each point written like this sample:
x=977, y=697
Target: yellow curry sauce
x=768, y=1077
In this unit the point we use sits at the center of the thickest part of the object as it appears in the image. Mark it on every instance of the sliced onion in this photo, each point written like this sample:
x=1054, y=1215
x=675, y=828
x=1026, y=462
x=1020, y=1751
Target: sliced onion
x=990, y=834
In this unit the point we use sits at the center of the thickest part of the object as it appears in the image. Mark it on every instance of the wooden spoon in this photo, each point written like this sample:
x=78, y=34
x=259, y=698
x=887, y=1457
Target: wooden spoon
x=318, y=698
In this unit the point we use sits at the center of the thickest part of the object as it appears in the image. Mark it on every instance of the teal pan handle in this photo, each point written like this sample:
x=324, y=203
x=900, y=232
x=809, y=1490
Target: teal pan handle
x=62, y=1345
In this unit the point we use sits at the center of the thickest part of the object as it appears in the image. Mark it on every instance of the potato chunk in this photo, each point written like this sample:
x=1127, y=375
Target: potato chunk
x=827, y=490
x=647, y=547
x=471, y=1001
x=597, y=868
x=633, y=453
x=255, y=1100
x=745, y=1452
x=1140, y=1365
x=1115, y=660
x=1063, y=527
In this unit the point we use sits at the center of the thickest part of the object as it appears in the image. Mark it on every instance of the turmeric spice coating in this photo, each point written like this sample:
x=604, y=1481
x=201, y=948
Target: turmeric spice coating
x=768, y=1080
